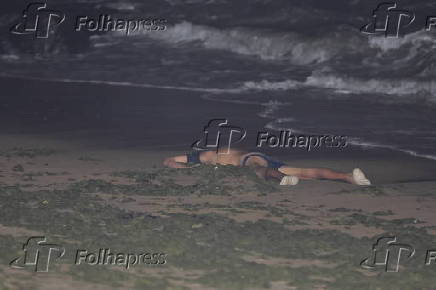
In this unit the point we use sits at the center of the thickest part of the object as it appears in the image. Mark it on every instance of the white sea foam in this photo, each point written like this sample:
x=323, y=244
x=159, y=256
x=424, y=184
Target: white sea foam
x=266, y=45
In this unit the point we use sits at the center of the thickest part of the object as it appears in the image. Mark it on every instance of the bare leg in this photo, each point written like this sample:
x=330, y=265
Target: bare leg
x=317, y=173
x=268, y=173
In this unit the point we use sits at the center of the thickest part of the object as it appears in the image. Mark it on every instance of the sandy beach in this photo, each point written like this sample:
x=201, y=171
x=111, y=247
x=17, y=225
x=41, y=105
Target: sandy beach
x=86, y=172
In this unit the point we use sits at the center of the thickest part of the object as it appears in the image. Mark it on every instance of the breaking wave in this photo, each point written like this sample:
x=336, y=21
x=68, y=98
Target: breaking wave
x=267, y=45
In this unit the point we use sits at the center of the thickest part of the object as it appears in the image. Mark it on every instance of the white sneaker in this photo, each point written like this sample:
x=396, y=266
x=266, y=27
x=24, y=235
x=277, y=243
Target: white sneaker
x=289, y=180
x=360, y=178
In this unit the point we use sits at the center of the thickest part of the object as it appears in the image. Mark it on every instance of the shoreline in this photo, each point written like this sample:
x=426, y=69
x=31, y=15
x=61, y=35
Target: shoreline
x=197, y=96
x=153, y=122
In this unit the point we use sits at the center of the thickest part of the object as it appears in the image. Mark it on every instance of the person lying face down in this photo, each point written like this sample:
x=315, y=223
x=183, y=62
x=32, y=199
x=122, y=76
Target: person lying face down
x=264, y=166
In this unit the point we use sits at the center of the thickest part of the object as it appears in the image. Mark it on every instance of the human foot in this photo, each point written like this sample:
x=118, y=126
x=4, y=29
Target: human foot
x=359, y=178
x=289, y=180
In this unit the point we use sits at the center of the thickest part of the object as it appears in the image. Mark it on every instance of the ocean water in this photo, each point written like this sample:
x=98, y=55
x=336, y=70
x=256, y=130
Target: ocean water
x=305, y=63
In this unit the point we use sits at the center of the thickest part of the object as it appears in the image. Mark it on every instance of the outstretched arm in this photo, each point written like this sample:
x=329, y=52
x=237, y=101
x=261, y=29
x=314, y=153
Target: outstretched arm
x=180, y=161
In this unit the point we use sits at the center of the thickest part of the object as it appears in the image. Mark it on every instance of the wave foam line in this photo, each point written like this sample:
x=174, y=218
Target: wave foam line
x=266, y=45
x=390, y=147
x=125, y=84
x=351, y=141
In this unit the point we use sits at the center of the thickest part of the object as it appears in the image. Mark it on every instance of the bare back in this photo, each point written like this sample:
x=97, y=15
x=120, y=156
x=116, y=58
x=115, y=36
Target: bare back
x=231, y=157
